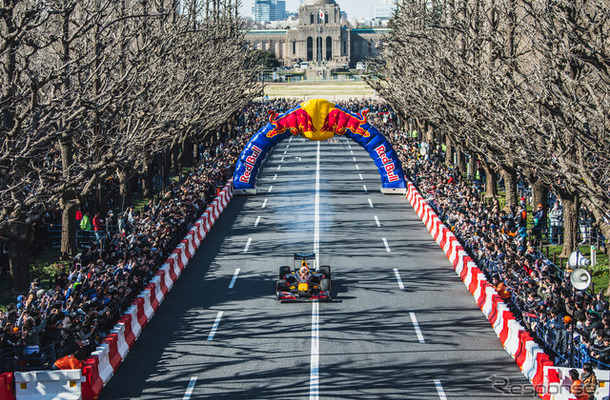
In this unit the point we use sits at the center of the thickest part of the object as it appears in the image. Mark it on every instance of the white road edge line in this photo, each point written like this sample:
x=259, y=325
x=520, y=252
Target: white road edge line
x=215, y=326
x=270, y=189
x=235, y=275
x=399, y=279
x=365, y=189
x=190, y=388
x=247, y=245
x=376, y=221
x=316, y=235
x=387, y=246
x=439, y=390
x=361, y=178
x=264, y=203
x=371, y=203
x=258, y=219
x=420, y=337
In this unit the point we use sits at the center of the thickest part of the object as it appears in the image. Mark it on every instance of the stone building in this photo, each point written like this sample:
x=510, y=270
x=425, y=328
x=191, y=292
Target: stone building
x=321, y=38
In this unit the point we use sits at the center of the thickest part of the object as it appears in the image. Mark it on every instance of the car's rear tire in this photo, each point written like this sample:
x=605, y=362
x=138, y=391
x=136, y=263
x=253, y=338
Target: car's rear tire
x=280, y=286
x=325, y=270
x=325, y=286
x=284, y=270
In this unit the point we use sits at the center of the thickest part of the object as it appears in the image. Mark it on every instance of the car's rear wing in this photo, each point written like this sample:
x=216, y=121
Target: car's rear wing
x=310, y=257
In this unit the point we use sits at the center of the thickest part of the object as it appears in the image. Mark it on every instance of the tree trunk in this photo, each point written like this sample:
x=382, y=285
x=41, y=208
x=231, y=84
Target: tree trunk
x=510, y=185
x=491, y=181
x=571, y=205
x=19, y=262
x=175, y=159
x=449, y=151
x=124, y=188
x=69, y=205
x=147, y=181
x=187, y=153
x=461, y=161
x=540, y=193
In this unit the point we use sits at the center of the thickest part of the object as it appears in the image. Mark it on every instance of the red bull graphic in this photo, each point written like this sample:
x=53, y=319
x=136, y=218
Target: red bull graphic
x=339, y=122
x=296, y=121
x=318, y=120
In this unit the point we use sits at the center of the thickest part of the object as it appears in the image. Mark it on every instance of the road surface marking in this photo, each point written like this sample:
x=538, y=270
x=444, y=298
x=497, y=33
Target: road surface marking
x=275, y=177
x=314, y=371
x=376, y=221
x=371, y=203
x=284, y=154
x=357, y=167
x=361, y=178
x=365, y=189
x=258, y=219
x=270, y=189
x=316, y=228
x=420, y=337
x=189, y=388
x=232, y=284
x=354, y=158
x=247, y=245
x=399, y=279
x=387, y=247
x=282, y=160
x=279, y=166
x=264, y=203
x=439, y=390
x=215, y=326
x=351, y=151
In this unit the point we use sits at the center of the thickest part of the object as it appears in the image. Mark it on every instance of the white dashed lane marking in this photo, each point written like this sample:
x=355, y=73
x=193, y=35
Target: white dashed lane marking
x=387, y=246
x=357, y=167
x=247, y=245
x=189, y=388
x=399, y=279
x=361, y=178
x=439, y=390
x=371, y=203
x=376, y=221
x=420, y=337
x=270, y=189
x=235, y=275
x=264, y=204
x=275, y=177
x=215, y=326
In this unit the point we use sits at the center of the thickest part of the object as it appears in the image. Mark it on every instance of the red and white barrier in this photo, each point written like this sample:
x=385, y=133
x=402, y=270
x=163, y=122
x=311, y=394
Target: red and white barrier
x=530, y=358
x=102, y=364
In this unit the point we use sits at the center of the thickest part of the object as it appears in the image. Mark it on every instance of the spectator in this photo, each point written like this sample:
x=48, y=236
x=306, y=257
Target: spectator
x=589, y=380
x=577, y=387
x=98, y=228
x=556, y=222
x=539, y=224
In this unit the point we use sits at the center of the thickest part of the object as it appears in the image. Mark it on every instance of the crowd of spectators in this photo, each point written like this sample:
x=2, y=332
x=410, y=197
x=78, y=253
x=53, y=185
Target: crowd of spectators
x=73, y=316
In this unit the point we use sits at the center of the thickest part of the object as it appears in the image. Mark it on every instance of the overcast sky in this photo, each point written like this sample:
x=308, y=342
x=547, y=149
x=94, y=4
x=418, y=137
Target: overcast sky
x=353, y=8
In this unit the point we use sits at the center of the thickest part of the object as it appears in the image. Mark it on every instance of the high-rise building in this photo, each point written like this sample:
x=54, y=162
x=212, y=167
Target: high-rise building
x=269, y=10
x=384, y=9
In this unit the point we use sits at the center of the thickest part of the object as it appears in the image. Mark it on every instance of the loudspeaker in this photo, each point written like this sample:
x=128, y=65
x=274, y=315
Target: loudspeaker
x=580, y=279
x=577, y=259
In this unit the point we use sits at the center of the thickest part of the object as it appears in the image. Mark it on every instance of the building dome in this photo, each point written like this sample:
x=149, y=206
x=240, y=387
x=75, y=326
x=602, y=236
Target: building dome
x=318, y=2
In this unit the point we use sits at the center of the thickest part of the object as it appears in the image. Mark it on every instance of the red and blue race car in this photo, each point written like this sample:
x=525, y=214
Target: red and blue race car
x=304, y=281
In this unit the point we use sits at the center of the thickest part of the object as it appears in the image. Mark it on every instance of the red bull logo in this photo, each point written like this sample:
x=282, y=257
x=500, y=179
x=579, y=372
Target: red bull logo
x=249, y=164
x=339, y=121
x=298, y=121
x=388, y=163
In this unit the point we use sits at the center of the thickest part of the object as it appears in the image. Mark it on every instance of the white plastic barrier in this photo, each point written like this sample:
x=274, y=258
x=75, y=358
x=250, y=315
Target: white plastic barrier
x=41, y=385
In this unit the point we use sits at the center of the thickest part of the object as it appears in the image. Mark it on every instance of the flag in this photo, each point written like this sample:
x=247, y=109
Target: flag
x=322, y=15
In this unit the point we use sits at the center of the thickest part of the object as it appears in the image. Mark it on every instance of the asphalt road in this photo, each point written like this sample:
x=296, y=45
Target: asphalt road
x=403, y=325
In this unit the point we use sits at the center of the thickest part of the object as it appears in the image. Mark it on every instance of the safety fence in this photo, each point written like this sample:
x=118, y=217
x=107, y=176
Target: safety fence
x=530, y=358
x=106, y=359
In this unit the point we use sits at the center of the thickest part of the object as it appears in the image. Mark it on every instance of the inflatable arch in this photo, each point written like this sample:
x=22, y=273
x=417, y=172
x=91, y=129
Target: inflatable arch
x=319, y=120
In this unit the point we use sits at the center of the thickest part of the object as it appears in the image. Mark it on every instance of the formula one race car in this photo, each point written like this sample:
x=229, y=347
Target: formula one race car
x=304, y=281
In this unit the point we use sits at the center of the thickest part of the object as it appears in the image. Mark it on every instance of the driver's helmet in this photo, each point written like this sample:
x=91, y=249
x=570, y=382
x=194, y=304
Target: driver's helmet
x=304, y=269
